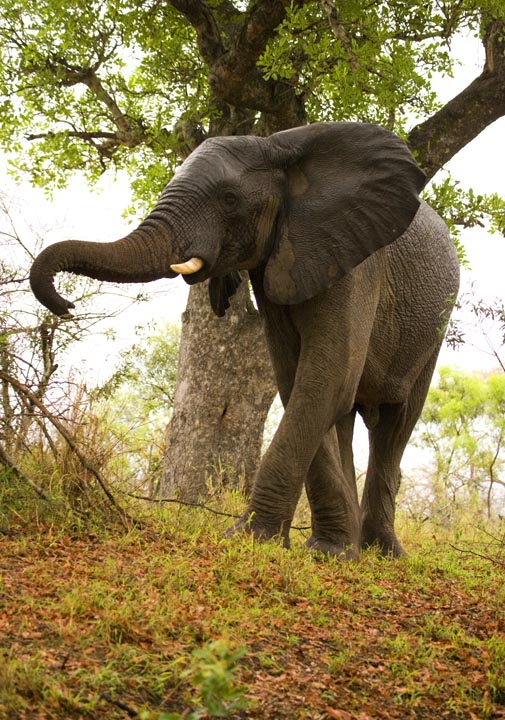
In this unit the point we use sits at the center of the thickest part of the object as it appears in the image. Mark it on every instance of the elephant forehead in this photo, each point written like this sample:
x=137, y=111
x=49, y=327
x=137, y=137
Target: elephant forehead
x=226, y=155
x=203, y=164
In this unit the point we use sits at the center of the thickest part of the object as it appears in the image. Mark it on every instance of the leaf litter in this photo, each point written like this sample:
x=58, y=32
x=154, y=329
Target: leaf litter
x=108, y=628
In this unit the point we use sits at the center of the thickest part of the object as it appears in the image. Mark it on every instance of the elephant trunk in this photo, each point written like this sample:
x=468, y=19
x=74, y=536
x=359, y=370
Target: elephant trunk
x=144, y=255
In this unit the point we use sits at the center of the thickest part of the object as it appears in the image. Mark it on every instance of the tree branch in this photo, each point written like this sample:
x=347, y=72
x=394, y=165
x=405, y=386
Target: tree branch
x=233, y=75
x=93, y=82
x=199, y=505
x=8, y=462
x=82, y=135
x=339, y=31
x=259, y=24
x=464, y=117
x=237, y=80
x=207, y=32
x=128, y=135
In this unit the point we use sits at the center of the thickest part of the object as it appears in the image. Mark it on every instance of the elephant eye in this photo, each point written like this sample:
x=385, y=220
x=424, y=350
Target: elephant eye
x=230, y=200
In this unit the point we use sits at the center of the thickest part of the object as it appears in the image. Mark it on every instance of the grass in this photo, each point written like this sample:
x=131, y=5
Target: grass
x=171, y=621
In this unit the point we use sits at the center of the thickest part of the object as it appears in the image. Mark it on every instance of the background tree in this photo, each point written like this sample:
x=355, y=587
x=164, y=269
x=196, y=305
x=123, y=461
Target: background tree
x=136, y=85
x=463, y=425
x=31, y=339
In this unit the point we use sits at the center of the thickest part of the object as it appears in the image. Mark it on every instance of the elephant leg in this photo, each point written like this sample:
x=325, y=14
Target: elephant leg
x=388, y=440
x=331, y=491
x=317, y=367
x=306, y=445
x=284, y=347
x=285, y=466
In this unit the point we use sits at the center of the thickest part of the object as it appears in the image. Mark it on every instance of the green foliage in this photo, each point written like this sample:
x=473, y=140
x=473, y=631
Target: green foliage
x=139, y=396
x=463, y=424
x=146, y=372
x=111, y=84
x=212, y=672
x=372, y=63
x=96, y=85
x=496, y=672
x=462, y=209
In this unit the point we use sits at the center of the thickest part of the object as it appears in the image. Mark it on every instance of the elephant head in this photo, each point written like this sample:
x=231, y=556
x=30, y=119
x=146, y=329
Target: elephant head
x=307, y=204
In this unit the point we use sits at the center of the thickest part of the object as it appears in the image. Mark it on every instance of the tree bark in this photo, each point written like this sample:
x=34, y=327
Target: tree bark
x=225, y=387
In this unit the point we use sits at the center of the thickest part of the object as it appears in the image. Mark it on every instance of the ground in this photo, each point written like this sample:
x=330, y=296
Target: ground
x=172, y=621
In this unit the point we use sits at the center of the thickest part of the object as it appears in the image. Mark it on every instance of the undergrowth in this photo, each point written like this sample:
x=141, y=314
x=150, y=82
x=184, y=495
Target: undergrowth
x=169, y=621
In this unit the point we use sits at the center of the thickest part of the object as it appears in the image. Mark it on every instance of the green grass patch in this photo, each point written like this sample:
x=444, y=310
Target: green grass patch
x=171, y=621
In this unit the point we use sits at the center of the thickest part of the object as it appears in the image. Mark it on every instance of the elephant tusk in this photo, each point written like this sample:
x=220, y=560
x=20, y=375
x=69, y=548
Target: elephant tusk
x=189, y=267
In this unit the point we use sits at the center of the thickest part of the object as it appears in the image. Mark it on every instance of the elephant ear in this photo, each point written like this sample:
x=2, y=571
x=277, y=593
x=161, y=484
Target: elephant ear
x=220, y=291
x=352, y=188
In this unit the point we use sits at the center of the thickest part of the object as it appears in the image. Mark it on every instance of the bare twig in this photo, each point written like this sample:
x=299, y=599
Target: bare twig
x=176, y=501
x=495, y=559
x=201, y=506
x=130, y=711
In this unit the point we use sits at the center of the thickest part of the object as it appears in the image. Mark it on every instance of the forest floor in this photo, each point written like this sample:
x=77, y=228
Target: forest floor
x=171, y=621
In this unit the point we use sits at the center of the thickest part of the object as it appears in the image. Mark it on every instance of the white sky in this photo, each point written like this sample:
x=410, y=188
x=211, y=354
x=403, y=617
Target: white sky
x=80, y=213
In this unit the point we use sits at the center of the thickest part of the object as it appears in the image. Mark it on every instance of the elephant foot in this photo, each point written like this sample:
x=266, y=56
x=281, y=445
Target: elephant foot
x=340, y=550
x=260, y=529
x=387, y=544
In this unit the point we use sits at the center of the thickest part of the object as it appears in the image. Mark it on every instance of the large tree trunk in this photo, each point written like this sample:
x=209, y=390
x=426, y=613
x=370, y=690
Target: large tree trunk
x=224, y=390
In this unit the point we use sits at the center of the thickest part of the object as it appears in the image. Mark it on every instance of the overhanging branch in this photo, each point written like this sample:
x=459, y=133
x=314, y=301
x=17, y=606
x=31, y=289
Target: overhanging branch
x=81, y=135
x=128, y=134
x=439, y=138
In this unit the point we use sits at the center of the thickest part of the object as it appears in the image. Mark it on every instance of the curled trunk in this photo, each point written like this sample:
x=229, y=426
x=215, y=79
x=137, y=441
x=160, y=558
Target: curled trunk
x=138, y=257
x=225, y=383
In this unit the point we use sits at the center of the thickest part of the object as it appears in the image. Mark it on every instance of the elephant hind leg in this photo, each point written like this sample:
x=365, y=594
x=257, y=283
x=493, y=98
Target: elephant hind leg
x=388, y=440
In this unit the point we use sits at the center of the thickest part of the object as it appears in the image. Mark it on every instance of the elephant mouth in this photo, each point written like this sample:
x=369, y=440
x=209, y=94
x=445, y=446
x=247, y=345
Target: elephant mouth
x=196, y=278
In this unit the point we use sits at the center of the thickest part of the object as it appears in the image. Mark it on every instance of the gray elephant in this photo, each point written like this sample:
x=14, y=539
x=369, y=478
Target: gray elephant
x=354, y=278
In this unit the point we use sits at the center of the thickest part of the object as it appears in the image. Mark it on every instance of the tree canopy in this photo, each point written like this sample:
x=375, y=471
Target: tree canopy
x=92, y=85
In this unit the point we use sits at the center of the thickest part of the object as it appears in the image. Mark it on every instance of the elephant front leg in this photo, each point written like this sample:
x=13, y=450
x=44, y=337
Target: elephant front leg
x=317, y=368
x=271, y=507
x=276, y=491
x=284, y=467
x=305, y=448
x=332, y=494
x=279, y=479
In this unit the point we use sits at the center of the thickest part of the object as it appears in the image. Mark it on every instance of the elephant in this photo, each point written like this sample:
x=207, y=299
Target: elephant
x=354, y=277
